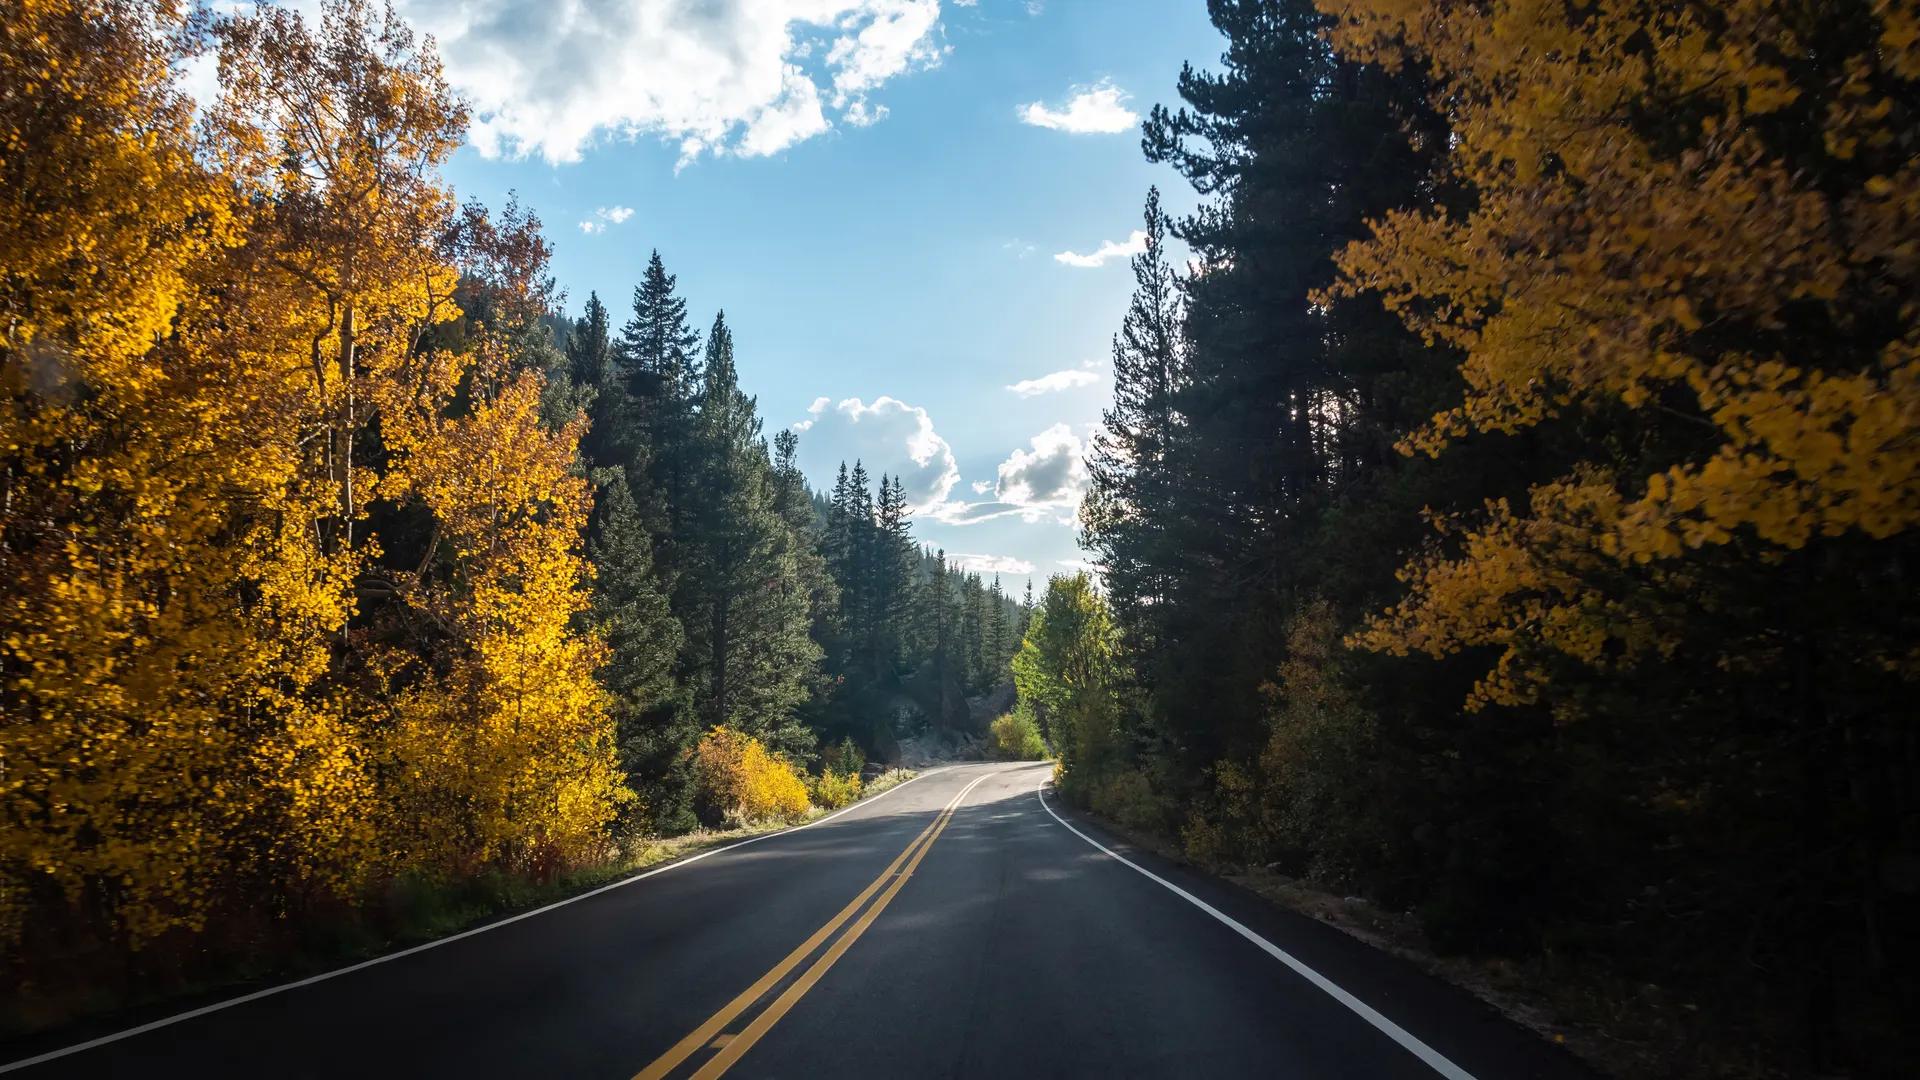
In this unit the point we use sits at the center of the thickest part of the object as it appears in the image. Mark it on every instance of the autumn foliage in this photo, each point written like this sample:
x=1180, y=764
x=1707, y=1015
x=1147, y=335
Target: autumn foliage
x=1748, y=262
x=740, y=782
x=291, y=563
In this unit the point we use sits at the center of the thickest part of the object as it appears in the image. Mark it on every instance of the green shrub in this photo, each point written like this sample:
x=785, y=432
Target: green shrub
x=846, y=758
x=832, y=790
x=1016, y=736
x=1128, y=798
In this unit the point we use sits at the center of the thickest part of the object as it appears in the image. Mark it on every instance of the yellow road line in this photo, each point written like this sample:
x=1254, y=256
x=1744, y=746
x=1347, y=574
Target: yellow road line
x=763, y=1023
x=704, y=1034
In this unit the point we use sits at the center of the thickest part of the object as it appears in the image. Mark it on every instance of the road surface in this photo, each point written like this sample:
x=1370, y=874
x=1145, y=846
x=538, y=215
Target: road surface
x=963, y=925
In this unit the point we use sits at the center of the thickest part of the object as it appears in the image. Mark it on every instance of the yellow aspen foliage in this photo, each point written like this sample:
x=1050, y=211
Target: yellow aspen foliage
x=340, y=135
x=1709, y=214
x=120, y=658
x=741, y=782
x=507, y=754
x=215, y=358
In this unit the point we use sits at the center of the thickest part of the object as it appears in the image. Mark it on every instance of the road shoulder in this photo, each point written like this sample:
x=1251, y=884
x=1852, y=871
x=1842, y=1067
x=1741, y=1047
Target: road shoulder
x=1463, y=1026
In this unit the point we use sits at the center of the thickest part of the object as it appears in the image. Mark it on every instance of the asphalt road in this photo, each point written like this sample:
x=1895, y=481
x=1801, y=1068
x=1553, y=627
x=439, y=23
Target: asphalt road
x=954, y=927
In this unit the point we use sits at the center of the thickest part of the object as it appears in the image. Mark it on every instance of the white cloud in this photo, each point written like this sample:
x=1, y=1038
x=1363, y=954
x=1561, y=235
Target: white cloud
x=606, y=215
x=981, y=487
x=894, y=36
x=742, y=77
x=988, y=565
x=860, y=114
x=1040, y=482
x=1133, y=245
x=1050, y=475
x=888, y=436
x=1054, y=382
x=1099, y=109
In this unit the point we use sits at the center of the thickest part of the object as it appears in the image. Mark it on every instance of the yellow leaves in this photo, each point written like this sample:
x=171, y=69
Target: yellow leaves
x=195, y=692
x=1900, y=36
x=832, y=790
x=1691, y=266
x=743, y=782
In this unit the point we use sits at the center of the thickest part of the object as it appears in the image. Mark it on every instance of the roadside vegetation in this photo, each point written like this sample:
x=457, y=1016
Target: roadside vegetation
x=737, y=772
x=1506, y=511
x=350, y=583
x=1015, y=736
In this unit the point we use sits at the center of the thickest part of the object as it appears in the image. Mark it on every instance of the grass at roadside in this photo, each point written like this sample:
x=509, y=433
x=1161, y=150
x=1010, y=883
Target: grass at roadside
x=892, y=778
x=408, y=913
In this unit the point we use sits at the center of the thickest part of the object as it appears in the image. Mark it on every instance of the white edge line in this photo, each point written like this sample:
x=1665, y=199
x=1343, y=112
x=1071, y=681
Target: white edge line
x=229, y=1003
x=1434, y=1059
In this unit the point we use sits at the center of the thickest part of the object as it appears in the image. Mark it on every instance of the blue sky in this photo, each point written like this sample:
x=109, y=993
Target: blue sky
x=864, y=188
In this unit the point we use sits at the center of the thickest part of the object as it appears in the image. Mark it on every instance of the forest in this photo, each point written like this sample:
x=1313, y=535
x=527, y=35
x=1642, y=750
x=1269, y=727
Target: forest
x=1507, y=513
x=1505, y=516
x=342, y=569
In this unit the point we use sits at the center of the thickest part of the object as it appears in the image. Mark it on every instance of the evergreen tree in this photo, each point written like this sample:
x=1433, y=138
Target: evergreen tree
x=973, y=619
x=653, y=725
x=936, y=627
x=654, y=363
x=589, y=365
x=749, y=658
x=812, y=571
x=893, y=571
x=997, y=644
x=1131, y=466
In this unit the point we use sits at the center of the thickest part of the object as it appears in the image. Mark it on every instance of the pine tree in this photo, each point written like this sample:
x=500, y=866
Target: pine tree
x=893, y=570
x=1124, y=518
x=1297, y=149
x=812, y=570
x=997, y=638
x=643, y=638
x=973, y=619
x=857, y=596
x=590, y=365
x=750, y=658
x=654, y=363
x=937, y=633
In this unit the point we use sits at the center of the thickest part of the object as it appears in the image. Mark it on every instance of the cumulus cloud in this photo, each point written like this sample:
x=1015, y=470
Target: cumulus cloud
x=1054, y=382
x=1042, y=481
x=1050, y=475
x=605, y=216
x=1099, y=109
x=988, y=565
x=888, y=436
x=742, y=77
x=1131, y=246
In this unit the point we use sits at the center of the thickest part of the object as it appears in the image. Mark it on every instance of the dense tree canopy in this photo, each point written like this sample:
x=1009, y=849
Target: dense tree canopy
x=1508, y=512
x=337, y=563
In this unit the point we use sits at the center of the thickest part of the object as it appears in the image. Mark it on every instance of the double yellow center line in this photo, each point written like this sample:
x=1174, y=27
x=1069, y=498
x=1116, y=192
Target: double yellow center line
x=731, y=1049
